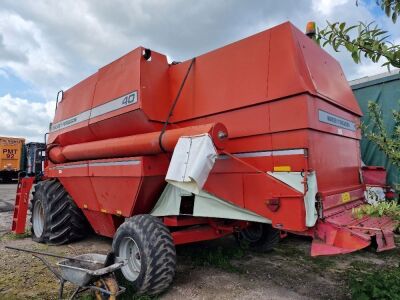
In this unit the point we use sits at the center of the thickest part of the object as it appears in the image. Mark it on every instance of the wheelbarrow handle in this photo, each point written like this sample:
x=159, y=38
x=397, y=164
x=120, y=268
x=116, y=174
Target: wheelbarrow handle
x=50, y=267
x=52, y=255
x=44, y=261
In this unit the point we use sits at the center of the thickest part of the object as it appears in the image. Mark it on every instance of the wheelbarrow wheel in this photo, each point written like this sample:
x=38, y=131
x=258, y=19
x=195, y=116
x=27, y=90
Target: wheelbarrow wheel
x=147, y=245
x=54, y=216
x=258, y=237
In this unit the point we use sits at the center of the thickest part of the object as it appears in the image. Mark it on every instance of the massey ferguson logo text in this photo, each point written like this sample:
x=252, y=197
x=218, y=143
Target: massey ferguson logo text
x=64, y=123
x=331, y=119
x=99, y=110
x=338, y=121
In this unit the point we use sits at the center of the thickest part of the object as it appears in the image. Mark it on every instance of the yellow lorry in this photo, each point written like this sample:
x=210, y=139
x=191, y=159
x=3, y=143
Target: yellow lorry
x=11, y=158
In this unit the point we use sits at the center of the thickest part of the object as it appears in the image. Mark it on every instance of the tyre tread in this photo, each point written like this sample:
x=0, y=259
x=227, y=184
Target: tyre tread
x=64, y=221
x=159, y=252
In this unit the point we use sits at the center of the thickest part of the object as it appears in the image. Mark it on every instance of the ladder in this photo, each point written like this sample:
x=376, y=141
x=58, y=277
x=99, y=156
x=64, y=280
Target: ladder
x=21, y=204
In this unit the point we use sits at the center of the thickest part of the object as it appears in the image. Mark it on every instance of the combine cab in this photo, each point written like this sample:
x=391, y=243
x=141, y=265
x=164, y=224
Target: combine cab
x=254, y=138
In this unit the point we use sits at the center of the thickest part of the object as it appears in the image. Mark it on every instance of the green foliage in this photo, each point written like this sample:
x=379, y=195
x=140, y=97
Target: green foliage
x=382, y=284
x=385, y=208
x=370, y=41
x=364, y=39
x=377, y=133
x=360, y=39
x=390, y=7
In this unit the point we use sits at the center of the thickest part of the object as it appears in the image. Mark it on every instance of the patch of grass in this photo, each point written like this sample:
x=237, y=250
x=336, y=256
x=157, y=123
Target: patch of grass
x=379, y=284
x=13, y=236
x=143, y=297
x=394, y=253
x=87, y=297
x=219, y=257
x=286, y=250
x=362, y=266
x=130, y=294
x=298, y=256
x=322, y=262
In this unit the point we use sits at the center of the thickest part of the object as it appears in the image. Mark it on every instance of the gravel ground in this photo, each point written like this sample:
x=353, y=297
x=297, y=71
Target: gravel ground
x=207, y=270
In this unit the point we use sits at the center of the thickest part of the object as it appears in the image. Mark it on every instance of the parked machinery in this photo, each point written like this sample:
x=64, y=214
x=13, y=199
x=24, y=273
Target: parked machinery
x=11, y=158
x=254, y=138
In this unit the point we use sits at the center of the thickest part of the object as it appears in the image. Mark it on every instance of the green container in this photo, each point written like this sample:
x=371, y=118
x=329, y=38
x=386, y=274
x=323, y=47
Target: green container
x=383, y=89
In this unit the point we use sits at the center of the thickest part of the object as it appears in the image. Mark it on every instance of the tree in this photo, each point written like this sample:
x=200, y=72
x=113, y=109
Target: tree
x=364, y=39
x=373, y=43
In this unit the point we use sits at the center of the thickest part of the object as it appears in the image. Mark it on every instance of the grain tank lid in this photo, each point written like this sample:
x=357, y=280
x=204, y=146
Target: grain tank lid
x=322, y=74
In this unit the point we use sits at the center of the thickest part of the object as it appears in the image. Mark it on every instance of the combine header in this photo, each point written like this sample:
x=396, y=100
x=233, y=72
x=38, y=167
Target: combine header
x=251, y=139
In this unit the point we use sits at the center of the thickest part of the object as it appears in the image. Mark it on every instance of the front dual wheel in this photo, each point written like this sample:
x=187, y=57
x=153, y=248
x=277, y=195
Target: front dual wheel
x=147, y=246
x=55, y=217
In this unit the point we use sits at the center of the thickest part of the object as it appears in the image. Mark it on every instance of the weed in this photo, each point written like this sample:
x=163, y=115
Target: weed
x=362, y=266
x=366, y=283
x=322, y=262
x=13, y=236
x=288, y=250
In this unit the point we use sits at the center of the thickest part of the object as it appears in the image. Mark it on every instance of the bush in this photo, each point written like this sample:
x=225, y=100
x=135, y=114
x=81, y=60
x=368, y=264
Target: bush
x=381, y=284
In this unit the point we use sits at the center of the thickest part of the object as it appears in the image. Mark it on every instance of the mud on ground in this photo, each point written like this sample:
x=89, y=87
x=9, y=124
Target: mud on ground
x=208, y=270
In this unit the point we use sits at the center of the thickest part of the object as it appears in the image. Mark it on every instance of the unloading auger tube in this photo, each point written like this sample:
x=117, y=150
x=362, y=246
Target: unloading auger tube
x=135, y=145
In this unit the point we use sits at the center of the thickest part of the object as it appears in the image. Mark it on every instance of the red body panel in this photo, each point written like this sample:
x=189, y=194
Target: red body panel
x=284, y=101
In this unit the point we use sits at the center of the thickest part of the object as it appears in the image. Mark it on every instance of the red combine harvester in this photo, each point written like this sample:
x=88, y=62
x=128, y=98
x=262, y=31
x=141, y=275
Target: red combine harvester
x=257, y=137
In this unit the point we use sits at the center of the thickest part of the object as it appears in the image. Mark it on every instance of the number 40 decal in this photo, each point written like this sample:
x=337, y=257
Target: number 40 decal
x=129, y=99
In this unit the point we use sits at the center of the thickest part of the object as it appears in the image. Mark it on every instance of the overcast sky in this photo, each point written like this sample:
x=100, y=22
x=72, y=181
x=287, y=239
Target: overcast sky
x=46, y=46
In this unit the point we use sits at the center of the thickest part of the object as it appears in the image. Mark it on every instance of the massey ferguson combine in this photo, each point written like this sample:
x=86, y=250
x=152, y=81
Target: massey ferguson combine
x=253, y=139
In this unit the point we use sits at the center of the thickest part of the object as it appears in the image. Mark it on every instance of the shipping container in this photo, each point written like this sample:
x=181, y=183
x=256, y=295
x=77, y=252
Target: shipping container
x=383, y=89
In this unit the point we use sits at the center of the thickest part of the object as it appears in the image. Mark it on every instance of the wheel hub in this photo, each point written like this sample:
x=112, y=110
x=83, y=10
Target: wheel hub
x=38, y=219
x=129, y=251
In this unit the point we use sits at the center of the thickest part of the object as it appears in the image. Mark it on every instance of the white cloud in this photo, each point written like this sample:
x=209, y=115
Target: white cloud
x=20, y=117
x=326, y=7
x=367, y=69
x=4, y=74
x=34, y=59
x=54, y=44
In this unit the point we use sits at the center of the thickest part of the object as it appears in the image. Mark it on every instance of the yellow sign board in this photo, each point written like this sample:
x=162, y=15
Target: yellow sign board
x=346, y=197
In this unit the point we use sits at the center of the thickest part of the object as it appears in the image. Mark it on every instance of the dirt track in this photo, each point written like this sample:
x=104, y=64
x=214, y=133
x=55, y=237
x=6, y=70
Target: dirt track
x=208, y=270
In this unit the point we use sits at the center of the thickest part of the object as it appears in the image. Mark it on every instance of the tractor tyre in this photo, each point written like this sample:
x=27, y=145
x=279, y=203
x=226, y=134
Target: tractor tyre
x=55, y=218
x=258, y=237
x=147, y=245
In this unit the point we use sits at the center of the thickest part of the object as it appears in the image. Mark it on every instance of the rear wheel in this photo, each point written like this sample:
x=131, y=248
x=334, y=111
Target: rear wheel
x=54, y=216
x=259, y=237
x=147, y=245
